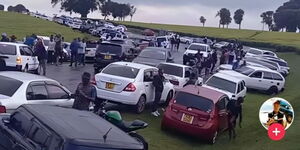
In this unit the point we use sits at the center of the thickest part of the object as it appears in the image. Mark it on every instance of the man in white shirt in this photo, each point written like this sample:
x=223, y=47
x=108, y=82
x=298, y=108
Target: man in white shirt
x=51, y=49
x=81, y=52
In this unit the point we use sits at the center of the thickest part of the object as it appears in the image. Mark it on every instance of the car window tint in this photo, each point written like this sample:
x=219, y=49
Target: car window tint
x=242, y=86
x=8, y=86
x=20, y=122
x=26, y=51
x=257, y=74
x=8, y=49
x=110, y=49
x=56, y=92
x=148, y=76
x=222, y=83
x=38, y=135
x=239, y=88
x=277, y=77
x=268, y=76
x=194, y=101
x=221, y=104
x=171, y=70
x=39, y=92
x=121, y=70
x=195, y=47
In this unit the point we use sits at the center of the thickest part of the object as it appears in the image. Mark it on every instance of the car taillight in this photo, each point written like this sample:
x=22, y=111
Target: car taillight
x=130, y=88
x=171, y=105
x=2, y=109
x=19, y=60
x=93, y=81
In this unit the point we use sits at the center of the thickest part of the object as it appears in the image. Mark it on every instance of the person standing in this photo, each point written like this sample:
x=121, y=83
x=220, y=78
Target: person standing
x=4, y=38
x=58, y=49
x=223, y=58
x=74, y=52
x=205, y=40
x=199, y=63
x=235, y=110
x=214, y=59
x=177, y=42
x=85, y=93
x=51, y=49
x=231, y=56
x=13, y=39
x=158, y=83
x=81, y=52
x=41, y=53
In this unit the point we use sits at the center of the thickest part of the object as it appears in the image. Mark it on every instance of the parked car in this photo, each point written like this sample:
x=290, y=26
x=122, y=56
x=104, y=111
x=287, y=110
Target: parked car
x=129, y=45
x=197, y=111
x=108, y=52
x=90, y=51
x=163, y=41
x=153, y=56
x=220, y=45
x=192, y=49
x=36, y=127
x=186, y=40
x=259, y=52
x=259, y=78
x=178, y=74
x=130, y=84
x=282, y=63
x=269, y=64
x=19, y=88
x=233, y=87
x=148, y=32
x=18, y=57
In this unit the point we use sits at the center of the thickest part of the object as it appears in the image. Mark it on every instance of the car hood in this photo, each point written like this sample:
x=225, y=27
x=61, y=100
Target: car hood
x=147, y=61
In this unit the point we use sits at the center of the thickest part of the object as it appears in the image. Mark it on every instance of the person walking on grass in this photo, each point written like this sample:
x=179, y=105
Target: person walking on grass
x=74, y=52
x=51, y=50
x=85, y=93
x=234, y=108
x=158, y=83
x=41, y=53
x=81, y=52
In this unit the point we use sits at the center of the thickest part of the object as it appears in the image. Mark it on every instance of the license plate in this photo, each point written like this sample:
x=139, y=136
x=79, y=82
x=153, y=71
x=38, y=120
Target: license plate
x=109, y=85
x=187, y=118
x=107, y=57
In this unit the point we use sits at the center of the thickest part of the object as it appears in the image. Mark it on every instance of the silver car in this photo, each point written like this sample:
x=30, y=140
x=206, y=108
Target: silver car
x=19, y=88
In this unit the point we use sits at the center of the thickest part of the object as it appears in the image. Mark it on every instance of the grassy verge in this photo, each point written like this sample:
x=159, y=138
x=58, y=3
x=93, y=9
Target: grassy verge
x=21, y=25
x=251, y=136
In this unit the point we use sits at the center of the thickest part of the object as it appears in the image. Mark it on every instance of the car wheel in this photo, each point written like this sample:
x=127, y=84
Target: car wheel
x=273, y=90
x=169, y=98
x=140, y=106
x=214, y=138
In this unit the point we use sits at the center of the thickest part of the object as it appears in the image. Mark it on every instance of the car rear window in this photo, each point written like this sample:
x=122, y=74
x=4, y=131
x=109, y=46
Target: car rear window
x=194, y=101
x=8, y=49
x=109, y=48
x=121, y=70
x=172, y=70
x=9, y=86
x=222, y=84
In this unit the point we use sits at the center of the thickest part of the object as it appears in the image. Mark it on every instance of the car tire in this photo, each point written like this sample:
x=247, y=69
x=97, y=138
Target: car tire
x=273, y=90
x=140, y=106
x=140, y=139
x=169, y=98
x=214, y=138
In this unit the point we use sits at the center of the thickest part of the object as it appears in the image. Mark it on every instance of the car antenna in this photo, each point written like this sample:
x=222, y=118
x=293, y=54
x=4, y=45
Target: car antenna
x=105, y=135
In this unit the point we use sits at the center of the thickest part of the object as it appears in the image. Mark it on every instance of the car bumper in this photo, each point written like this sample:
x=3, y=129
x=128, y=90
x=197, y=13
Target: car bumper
x=14, y=68
x=128, y=98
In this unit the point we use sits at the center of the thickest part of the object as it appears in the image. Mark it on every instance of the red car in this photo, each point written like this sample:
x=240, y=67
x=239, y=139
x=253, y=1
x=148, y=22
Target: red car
x=197, y=111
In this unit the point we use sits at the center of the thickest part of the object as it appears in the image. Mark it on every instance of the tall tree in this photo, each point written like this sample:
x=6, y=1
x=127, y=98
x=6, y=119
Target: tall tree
x=225, y=17
x=267, y=18
x=238, y=17
x=132, y=11
x=82, y=7
x=202, y=20
x=106, y=9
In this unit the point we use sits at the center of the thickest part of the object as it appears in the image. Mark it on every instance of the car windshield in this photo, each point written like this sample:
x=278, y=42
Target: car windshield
x=110, y=48
x=7, y=49
x=153, y=54
x=197, y=47
x=245, y=70
x=194, y=101
x=9, y=86
x=121, y=70
x=222, y=84
x=172, y=70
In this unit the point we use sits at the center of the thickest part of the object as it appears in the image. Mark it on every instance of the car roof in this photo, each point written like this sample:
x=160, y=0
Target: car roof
x=15, y=44
x=134, y=65
x=81, y=127
x=199, y=44
x=21, y=76
x=227, y=77
x=203, y=92
x=174, y=64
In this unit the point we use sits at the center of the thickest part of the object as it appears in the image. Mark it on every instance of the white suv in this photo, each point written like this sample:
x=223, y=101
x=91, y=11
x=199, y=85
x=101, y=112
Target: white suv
x=233, y=87
x=18, y=57
x=193, y=49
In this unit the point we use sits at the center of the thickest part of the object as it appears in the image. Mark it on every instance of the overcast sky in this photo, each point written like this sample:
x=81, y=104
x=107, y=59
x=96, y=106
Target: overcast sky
x=185, y=12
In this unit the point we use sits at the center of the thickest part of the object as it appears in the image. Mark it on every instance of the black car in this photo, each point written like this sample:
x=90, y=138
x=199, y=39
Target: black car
x=153, y=56
x=108, y=52
x=41, y=127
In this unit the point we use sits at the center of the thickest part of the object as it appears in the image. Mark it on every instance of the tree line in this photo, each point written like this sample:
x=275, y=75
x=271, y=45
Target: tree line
x=106, y=7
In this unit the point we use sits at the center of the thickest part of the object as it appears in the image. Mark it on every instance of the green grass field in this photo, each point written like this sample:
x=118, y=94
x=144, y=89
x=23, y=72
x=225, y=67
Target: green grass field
x=288, y=39
x=251, y=137
x=21, y=25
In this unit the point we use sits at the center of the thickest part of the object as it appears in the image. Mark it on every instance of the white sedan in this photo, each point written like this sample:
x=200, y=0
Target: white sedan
x=259, y=78
x=130, y=84
x=19, y=88
x=178, y=74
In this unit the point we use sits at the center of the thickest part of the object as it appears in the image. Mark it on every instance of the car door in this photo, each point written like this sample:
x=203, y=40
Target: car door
x=268, y=80
x=149, y=88
x=222, y=113
x=255, y=80
x=28, y=57
x=59, y=95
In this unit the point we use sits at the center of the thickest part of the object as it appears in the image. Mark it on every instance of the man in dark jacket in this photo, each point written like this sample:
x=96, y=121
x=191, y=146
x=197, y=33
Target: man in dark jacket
x=74, y=52
x=158, y=83
x=214, y=58
x=4, y=38
x=41, y=53
x=85, y=93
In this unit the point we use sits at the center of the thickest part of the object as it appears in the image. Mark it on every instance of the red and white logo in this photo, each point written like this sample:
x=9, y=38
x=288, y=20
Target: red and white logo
x=276, y=132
